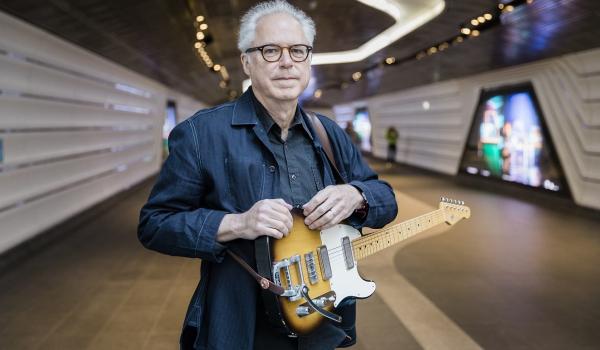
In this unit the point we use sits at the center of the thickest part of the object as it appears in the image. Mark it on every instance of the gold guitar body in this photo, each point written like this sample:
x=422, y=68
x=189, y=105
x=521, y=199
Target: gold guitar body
x=301, y=240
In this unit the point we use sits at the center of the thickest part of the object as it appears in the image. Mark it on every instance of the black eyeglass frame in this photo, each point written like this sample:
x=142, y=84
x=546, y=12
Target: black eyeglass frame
x=261, y=48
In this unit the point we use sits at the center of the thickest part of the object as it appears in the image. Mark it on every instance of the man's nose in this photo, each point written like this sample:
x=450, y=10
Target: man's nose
x=286, y=59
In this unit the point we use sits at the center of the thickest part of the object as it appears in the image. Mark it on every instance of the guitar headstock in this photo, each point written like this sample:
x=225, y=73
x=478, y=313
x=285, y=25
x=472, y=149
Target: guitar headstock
x=454, y=210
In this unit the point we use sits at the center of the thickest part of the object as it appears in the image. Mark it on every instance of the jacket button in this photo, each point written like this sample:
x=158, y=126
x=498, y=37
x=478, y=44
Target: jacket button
x=272, y=168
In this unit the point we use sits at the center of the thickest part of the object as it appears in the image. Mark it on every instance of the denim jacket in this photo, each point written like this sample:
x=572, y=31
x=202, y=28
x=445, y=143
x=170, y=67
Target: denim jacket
x=220, y=163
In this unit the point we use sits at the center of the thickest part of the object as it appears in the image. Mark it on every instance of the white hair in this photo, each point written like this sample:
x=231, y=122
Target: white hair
x=250, y=19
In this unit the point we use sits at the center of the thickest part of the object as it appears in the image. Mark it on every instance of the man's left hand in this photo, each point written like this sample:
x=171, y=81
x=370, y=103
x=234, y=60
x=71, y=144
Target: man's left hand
x=331, y=205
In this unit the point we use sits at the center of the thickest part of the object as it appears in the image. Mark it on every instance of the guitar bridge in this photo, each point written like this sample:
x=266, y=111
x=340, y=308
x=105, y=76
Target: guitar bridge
x=322, y=301
x=282, y=269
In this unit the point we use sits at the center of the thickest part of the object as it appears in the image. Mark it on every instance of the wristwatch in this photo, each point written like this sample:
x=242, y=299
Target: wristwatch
x=364, y=208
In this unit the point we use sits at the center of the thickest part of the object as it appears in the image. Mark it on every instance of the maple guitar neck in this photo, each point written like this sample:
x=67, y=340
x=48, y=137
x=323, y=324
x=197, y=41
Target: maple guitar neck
x=379, y=240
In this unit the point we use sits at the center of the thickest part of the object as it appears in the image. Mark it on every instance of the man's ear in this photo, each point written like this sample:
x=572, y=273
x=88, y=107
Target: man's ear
x=245, y=64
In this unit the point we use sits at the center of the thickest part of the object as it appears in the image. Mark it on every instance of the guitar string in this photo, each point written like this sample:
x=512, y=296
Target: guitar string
x=381, y=234
x=395, y=234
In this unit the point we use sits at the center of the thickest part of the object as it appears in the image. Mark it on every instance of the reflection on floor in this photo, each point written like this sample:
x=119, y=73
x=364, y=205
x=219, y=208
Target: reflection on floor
x=514, y=276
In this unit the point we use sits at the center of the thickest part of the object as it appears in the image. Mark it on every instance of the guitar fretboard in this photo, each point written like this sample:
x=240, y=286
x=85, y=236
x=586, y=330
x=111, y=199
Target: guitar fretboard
x=374, y=242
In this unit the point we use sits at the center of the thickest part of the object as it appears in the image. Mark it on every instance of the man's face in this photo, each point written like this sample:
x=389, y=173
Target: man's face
x=285, y=79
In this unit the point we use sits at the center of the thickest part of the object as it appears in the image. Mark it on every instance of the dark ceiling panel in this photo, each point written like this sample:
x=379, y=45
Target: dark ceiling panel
x=156, y=37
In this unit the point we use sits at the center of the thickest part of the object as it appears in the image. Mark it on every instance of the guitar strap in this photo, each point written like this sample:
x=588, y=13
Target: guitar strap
x=324, y=138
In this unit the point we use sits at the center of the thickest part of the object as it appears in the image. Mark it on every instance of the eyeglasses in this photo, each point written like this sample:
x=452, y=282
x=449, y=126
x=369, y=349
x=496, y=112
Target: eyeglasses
x=272, y=53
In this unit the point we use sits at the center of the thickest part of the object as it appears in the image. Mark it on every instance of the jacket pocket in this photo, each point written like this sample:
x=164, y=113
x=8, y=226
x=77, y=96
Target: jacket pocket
x=246, y=179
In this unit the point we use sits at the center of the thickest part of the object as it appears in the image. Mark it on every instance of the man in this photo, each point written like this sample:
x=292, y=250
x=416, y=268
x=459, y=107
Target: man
x=391, y=135
x=234, y=173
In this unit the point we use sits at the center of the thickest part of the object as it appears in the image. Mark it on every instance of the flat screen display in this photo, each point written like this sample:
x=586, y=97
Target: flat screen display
x=509, y=141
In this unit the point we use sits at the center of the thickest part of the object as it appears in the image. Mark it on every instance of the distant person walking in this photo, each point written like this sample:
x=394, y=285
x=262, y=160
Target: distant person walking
x=391, y=136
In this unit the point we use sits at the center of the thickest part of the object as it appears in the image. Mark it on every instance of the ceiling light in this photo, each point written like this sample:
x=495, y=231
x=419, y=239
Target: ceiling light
x=474, y=22
x=529, y=1
x=200, y=35
x=203, y=26
x=356, y=76
x=509, y=8
x=480, y=19
x=198, y=45
x=217, y=67
x=421, y=55
x=222, y=84
x=406, y=18
x=209, y=65
x=465, y=31
x=443, y=46
x=432, y=50
x=500, y=6
x=224, y=73
x=200, y=18
x=475, y=33
x=487, y=16
x=390, y=60
x=318, y=93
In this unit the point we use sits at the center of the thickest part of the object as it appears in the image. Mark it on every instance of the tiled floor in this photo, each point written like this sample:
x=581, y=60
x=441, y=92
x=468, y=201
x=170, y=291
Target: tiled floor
x=514, y=276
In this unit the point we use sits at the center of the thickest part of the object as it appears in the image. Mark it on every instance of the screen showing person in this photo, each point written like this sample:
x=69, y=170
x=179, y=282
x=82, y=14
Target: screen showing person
x=508, y=140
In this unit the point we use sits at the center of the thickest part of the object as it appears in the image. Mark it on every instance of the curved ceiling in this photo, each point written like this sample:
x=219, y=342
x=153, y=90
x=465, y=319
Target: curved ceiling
x=156, y=38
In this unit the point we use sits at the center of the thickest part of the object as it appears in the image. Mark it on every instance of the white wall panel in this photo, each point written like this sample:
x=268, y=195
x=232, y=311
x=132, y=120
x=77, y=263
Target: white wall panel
x=75, y=129
x=568, y=89
x=22, y=112
x=35, y=146
x=28, y=182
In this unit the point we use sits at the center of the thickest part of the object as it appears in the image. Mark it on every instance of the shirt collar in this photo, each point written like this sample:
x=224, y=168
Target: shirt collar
x=268, y=122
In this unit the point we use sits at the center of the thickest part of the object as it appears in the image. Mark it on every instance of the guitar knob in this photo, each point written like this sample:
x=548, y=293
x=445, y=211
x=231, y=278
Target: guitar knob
x=320, y=302
x=302, y=311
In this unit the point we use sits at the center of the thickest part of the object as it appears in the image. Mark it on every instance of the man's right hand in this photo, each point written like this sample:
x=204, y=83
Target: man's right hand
x=268, y=217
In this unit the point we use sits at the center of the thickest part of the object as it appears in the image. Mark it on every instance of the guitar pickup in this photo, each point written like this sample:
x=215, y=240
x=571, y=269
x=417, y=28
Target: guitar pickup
x=309, y=258
x=324, y=262
x=348, y=255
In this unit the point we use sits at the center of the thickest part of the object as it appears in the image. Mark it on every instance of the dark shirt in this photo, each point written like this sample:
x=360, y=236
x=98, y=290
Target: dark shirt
x=299, y=175
x=300, y=180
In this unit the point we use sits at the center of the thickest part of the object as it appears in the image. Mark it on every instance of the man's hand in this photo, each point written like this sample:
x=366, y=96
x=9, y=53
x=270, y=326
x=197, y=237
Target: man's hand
x=268, y=217
x=331, y=205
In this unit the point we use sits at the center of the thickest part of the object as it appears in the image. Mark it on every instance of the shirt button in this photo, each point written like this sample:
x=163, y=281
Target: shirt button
x=272, y=168
x=293, y=176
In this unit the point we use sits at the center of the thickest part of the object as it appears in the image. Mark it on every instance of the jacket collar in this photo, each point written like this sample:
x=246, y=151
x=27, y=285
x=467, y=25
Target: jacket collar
x=243, y=110
x=245, y=114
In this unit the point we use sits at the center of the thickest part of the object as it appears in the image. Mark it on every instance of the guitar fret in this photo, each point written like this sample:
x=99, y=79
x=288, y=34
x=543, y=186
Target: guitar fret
x=377, y=241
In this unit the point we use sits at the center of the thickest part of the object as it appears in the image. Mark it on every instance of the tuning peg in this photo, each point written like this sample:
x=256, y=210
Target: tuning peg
x=462, y=203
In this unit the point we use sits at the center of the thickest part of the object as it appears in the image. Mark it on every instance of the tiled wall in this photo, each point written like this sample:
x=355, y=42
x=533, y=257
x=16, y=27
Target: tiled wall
x=75, y=129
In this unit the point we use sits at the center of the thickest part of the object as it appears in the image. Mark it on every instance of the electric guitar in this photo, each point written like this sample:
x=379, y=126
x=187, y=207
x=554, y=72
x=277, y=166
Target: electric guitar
x=318, y=270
